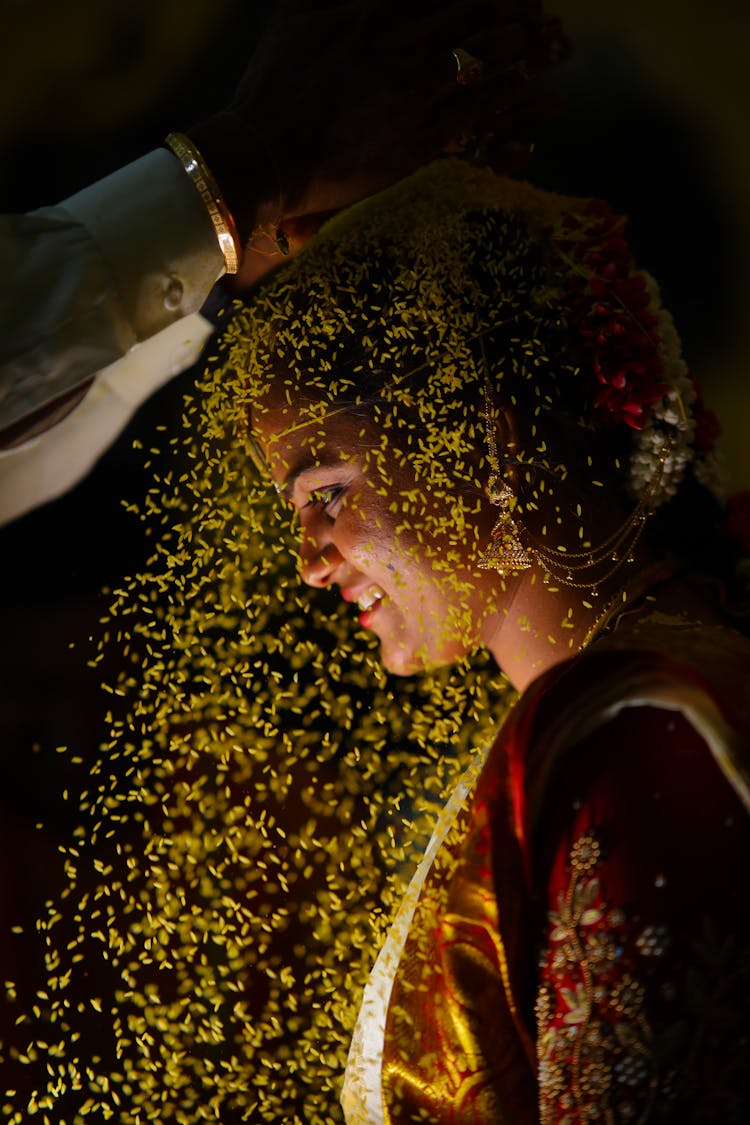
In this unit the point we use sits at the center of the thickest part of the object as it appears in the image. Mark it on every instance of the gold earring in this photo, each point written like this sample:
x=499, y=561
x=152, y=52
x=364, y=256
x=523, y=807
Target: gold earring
x=505, y=552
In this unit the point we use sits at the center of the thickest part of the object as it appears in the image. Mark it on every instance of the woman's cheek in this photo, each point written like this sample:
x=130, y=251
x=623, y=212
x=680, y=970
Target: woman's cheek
x=367, y=536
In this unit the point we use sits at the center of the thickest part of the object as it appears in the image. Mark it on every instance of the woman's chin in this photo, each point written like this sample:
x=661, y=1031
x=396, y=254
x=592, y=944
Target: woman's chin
x=408, y=651
x=400, y=663
x=401, y=660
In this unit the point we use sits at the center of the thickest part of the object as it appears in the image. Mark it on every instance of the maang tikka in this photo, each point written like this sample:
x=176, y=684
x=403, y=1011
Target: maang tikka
x=505, y=552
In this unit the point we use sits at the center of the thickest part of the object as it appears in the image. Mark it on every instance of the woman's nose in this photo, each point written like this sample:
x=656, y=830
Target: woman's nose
x=319, y=559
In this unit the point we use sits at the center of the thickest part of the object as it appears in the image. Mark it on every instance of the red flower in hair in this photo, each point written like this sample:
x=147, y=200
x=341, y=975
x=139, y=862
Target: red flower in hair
x=618, y=338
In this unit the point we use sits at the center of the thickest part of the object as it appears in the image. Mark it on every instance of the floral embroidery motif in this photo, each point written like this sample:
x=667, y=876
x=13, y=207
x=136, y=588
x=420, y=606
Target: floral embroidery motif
x=595, y=1045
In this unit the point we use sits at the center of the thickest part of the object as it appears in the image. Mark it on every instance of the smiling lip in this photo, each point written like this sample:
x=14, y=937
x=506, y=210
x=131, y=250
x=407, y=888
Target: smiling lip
x=368, y=598
x=366, y=616
x=364, y=596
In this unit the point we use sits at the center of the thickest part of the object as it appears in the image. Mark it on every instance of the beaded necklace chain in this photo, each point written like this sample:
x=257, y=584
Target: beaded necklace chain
x=560, y=565
x=626, y=599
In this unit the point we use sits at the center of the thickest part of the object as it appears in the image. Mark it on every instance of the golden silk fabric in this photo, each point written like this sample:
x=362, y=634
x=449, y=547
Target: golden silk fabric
x=460, y=1036
x=455, y=1047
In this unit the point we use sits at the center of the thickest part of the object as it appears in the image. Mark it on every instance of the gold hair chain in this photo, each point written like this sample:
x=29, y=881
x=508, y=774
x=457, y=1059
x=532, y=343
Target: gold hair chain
x=507, y=552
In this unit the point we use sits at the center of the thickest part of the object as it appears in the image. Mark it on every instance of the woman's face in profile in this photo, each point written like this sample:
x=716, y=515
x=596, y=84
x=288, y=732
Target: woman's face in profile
x=367, y=527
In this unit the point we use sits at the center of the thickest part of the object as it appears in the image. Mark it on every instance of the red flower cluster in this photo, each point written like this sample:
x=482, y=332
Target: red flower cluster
x=618, y=338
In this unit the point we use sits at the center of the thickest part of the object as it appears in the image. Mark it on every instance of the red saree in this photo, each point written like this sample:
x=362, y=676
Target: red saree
x=581, y=948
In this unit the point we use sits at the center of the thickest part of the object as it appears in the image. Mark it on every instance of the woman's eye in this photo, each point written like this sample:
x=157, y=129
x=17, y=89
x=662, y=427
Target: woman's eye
x=325, y=498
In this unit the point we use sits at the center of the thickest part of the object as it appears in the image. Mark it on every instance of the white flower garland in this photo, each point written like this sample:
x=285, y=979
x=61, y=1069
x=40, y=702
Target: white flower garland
x=671, y=422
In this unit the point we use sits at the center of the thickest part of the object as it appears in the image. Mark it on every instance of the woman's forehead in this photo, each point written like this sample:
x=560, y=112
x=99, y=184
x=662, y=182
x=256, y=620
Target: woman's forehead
x=289, y=436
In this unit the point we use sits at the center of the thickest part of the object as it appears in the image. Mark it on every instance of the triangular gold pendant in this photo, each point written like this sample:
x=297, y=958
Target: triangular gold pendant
x=505, y=551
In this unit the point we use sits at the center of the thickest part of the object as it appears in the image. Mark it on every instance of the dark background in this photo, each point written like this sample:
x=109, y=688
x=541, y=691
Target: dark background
x=658, y=95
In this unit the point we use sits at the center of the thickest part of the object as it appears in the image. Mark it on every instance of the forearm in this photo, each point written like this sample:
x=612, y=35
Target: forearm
x=86, y=280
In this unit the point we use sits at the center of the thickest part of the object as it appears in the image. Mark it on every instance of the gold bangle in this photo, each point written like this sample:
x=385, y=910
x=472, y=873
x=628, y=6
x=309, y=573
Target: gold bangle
x=206, y=186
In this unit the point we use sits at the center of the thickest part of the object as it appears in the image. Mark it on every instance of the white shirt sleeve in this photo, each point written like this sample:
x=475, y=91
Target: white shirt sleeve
x=107, y=284
x=84, y=281
x=48, y=465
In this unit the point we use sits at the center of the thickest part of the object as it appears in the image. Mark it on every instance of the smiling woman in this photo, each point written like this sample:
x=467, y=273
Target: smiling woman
x=362, y=532
x=399, y=400
x=477, y=408
x=476, y=413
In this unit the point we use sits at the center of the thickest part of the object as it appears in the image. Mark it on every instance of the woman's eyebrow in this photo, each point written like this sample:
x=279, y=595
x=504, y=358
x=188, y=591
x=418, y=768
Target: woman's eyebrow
x=286, y=489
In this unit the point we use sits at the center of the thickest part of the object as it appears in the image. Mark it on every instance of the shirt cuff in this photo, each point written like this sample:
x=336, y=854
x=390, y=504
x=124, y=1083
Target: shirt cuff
x=157, y=239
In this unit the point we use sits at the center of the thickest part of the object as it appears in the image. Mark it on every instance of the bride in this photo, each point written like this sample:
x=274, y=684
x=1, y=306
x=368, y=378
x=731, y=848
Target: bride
x=477, y=408
x=474, y=408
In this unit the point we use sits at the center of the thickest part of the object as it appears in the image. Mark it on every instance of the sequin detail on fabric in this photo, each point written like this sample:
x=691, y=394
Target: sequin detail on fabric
x=595, y=1045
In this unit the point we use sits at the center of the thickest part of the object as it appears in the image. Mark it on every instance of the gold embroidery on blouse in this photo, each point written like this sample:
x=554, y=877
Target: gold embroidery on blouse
x=594, y=1042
